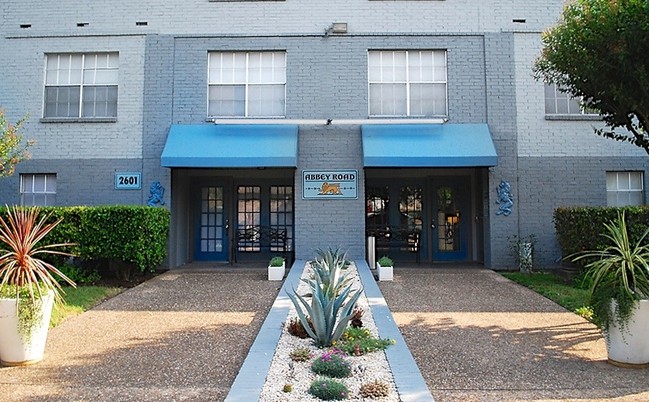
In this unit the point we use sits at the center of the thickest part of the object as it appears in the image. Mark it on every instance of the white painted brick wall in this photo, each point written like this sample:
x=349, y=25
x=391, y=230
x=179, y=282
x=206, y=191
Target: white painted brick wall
x=276, y=17
x=21, y=92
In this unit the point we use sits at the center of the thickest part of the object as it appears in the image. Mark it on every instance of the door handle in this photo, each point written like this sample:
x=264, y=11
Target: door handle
x=227, y=224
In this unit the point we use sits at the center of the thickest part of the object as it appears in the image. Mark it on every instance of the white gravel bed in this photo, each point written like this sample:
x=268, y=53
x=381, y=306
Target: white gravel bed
x=365, y=369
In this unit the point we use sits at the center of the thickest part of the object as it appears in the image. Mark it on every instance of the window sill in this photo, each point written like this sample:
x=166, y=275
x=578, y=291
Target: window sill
x=78, y=120
x=573, y=117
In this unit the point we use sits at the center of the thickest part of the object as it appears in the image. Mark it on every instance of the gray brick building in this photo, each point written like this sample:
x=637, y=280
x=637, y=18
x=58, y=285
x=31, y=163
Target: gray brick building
x=286, y=126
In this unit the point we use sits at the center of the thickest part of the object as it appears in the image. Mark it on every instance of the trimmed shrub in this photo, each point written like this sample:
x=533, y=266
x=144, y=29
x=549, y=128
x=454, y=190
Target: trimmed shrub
x=131, y=234
x=580, y=228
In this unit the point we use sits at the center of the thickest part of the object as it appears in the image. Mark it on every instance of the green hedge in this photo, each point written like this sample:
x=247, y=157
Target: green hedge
x=581, y=228
x=132, y=234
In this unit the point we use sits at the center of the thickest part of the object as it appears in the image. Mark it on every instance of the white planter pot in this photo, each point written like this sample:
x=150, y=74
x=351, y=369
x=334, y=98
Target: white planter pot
x=276, y=273
x=631, y=346
x=385, y=273
x=14, y=349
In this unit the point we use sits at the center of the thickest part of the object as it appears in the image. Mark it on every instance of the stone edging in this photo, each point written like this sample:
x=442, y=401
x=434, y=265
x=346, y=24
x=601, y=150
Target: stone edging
x=249, y=382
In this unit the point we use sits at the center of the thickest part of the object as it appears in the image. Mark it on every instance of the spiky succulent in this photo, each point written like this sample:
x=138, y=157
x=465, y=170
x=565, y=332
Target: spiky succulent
x=300, y=354
x=329, y=267
x=332, y=302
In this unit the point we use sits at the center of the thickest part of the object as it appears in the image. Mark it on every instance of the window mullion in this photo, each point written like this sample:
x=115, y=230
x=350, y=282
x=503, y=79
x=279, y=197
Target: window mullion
x=81, y=86
x=408, y=83
x=246, y=97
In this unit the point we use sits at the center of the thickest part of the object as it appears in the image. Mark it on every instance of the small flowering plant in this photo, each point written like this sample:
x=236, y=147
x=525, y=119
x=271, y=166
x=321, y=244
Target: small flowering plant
x=332, y=363
x=359, y=341
x=328, y=389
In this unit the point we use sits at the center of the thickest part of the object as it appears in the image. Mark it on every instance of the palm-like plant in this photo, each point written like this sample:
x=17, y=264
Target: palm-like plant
x=21, y=269
x=620, y=273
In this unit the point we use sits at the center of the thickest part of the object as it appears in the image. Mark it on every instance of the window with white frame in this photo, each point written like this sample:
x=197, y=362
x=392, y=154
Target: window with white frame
x=81, y=85
x=624, y=188
x=407, y=83
x=561, y=102
x=247, y=84
x=37, y=189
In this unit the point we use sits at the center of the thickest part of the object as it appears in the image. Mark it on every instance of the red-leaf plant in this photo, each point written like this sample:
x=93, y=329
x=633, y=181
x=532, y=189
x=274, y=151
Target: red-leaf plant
x=20, y=266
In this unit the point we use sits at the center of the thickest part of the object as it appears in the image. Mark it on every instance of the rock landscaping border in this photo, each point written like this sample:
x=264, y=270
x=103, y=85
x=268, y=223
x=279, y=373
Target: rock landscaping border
x=250, y=381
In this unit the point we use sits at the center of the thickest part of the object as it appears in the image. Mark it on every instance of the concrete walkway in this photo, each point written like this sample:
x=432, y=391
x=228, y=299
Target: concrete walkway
x=477, y=336
x=184, y=335
x=181, y=336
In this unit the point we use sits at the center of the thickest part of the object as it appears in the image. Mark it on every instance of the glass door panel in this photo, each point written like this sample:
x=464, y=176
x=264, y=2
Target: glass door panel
x=396, y=226
x=212, y=225
x=448, y=227
x=249, y=218
x=264, y=225
x=377, y=211
x=410, y=214
x=281, y=218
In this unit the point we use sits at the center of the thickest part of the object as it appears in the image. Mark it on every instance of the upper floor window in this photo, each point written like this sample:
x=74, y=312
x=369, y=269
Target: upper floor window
x=37, y=189
x=407, y=83
x=247, y=84
x=624, y=188
x=81, y=85
x=560, y=102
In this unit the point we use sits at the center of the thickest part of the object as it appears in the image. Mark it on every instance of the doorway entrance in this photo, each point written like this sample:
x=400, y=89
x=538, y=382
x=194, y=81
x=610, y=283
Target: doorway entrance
x=243, y=220
x=425, y=219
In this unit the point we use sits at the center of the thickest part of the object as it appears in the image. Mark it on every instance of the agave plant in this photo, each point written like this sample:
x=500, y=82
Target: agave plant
x=332, y=258
x=332, y=300
x=329, y=268
x=329, y=312
x=20, y=268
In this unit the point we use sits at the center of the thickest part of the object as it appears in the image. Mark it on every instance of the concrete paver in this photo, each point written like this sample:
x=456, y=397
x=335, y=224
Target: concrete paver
x=477, y=336
x=184, y=335
x=181, y=336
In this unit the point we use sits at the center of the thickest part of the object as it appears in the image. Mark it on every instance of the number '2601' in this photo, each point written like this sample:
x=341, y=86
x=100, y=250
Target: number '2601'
x=130, y=181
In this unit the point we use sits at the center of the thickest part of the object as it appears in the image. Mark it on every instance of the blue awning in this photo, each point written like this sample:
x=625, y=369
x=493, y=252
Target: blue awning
x=428, y=145
x=230, y=146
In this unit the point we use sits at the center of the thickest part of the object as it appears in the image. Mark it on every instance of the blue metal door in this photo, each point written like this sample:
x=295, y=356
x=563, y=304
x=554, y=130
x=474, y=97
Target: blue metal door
x=212, y=226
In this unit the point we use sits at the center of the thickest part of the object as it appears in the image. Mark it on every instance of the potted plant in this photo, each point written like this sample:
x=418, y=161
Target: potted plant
x=619, y=293
x=384, y=267
x=28, y=287
x=276, y=268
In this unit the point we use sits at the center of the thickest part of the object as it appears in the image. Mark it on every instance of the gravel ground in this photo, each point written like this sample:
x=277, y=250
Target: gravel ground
x=476, y=336
x=181, y=336
x=367, y=368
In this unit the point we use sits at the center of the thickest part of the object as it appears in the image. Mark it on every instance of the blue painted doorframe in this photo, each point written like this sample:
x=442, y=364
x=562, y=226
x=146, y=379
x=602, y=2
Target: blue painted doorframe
x=212, y=222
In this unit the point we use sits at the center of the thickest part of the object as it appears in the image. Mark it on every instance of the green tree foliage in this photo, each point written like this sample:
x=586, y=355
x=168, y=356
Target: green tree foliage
x=12, y=148
x=598, y=51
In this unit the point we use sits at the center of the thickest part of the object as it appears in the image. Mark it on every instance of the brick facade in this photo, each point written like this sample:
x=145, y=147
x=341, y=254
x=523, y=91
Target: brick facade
x=163, y=49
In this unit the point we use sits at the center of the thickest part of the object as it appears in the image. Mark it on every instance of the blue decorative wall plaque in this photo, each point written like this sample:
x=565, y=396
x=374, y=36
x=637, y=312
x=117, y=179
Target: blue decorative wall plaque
x=505, y=198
